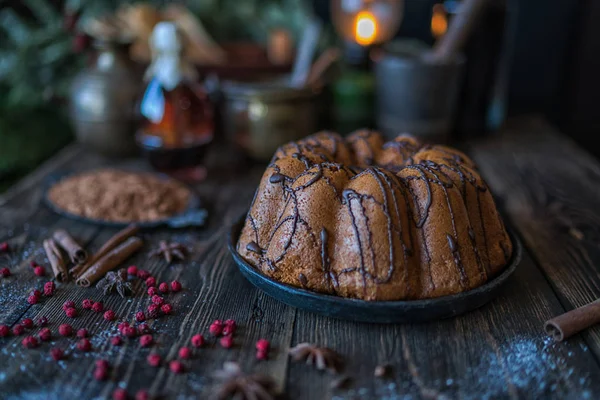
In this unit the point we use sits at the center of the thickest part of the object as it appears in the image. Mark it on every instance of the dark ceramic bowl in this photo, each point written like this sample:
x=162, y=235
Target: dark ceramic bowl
x=387, y=312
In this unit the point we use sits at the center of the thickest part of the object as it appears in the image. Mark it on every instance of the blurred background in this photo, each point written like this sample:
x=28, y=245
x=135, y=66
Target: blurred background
x=256, y=73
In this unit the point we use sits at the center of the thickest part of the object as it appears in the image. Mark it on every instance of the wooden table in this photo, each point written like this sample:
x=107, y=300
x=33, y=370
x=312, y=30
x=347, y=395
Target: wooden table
x=548, y=188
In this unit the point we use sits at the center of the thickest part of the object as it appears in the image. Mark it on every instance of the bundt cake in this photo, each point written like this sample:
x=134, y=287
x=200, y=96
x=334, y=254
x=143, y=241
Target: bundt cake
x=361, y=218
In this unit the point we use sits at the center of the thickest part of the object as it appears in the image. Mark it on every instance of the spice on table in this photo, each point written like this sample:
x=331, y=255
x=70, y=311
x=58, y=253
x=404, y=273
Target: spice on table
x=143, y=329
x=100, y=373
x=132, y=270
x=57, y=261
x=152, y=290
x=110, y=261
x=156, y=299
x=142, y=395
x=87, y=304
x=151, y=282
x=185, y=353
x=170, y=251
x=115, y=281
x=574, y=321
x=5, y=272
x=321, y=357
x=4, y=331
x=129, y=331
x=176, y=367
x=84, y=345
x=236, y=384
x=216, y=328
x=153, y=311
x=143, y=274
x=39, y=271
x=45, y=334
x=42, y=321
x=4, y=247
x=166, y=308
x=226, y=342
x=197, y=340
x=65, y=330
x=175, y=286
x=109, y=315
x=57, y=354
x=146, y=340
x=163, y=287
x=29, y=342
x=68, y=304
x=76, y=253
x=116, y=341
x=82, y=333
x=120, y=394
x=153, y=359
x=33, y=299
x=18, y=330
x=27, y=323
x=49, y=288
x=71, y=312
x=140, y=316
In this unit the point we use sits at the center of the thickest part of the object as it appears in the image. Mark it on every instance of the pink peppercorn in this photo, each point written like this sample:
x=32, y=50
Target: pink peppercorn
x=109, y=315
x=146, y=340
x=151, y=281
x=153, y=311
x=163, y=287
x=100, y=374
x=84, y=345
x=120, y=394
x=27, y=323
x=18, y=330
x=166, y=308
x=57, y=354
x=4, y=331
x=82, y=333
x=231, y=322
x=228, y=330
x=153, y=359
x=152, y=291
x=129, y=331
x=5, y=272
x=176, y=367
x=49, y=288
x=156, y=299
x=216, y=328
x=132, y=270
x=101, y=363
x=98, y=307
x=261, y=355
x=185, y=353
x=116, y=341
x=65, y=330
x=175, y=286
x=262, y=345
x=87, y=304
x=42, y=321
x=143, y=329
x=140, y=316
x=45, y=334
x=29, y=342
x=33, y=299
x=122, y=325
x=197, y=340
x=71, y=312
x=4, y=247
x=143, y=274
x=226, y=342
x=68, y=304
x=142, y=395
x=39, y=271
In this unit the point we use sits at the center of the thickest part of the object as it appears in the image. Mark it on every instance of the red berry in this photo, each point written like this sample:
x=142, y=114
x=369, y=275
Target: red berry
x=153, y=311
x=65, y=330
x=4, y=331
x=45, y=334
x=152, y=291
x=231, y=322
x=18, y=330
x=122, y=326
x=33, y=264
x=120, y=394
x=132, y=270
x=185, y=353
x=129, y=331
x=166, y=308
x=68, y=304
x=156, y=299
x=33, y=299
x=49, y=288
x=116, y=341
x=82, y=333
x=27, y=323
x=197, y=340
x=226, y=342
x=216, y=328
x=164, y=287
x=142, y=395
x=84, y=345
x=143, y=329
x=262, y=345
x=109, y=315
x=71, y=312
x=151, y=281
x=153, y=359
x=176, y=367
x=98, y=307
x=261, y=355
x=39, y=271
x=140, y=316
x=142, y=274
x=102, y=364
x=146, y=340
x=29, y=342
x=57, y=354
x=100, y=374
x=175, y=286
x=87, y=304
x=42, y=321
x=5, y=272
x=228, y=330
x=4, y=247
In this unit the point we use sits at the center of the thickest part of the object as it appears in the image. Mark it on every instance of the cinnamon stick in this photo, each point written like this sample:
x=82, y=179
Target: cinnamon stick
x=110, y=244
x=76, y=253
x=110, y=261
x=574, y=321
x=57, y=261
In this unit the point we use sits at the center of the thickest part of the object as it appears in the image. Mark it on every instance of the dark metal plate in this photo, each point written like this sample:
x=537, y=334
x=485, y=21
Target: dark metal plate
x=193, y=216
x=375, y=311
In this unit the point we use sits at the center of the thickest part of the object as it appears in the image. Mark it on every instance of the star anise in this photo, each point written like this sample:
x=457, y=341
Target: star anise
x=170, y=251
x=240, y=386
x=320, y=357
x=115, y=281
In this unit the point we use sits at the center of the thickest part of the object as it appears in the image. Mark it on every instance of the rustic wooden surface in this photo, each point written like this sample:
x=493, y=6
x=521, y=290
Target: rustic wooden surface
x=548, y=187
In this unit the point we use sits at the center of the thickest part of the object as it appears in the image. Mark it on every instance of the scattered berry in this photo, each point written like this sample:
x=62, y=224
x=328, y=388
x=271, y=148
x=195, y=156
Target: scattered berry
x=29, y=342
x=152, y=291
x=140, y=316
x=228, y=330
x=262, y=345
x=33, y=264
x=120, y=394
x=33, y=299
x=197, y=340
x=65, y=330
x=151, y=281
x=175, y=286
x=4, y=331
x=39, y=271
x=100, y=374
x=226, y=342
x=261, y=355
x=166, y=308
x=231, y=322
x=109, y=315
x=176, y=367
x=4, y=247
x=49, y=288
x=153, y=311
x=164, y=287
x=68, y=304
x=42, y=321
x=146, y=340
x=122, y=326
x=132, y=270
x=102, y=364
x=87, y=304
x=45, y=334
x=129, y=331
x=116, y=341
x=57, y=354
x=82, y=333
x=143, y=329
x=84, y=345
x=18, y=330
x=27, y=323
x=142, y=274
x=156, y=299
x=185, y=353
x=98, y=307
x=216, y=328
x=5, y=272
x=71, y=312
x=153, y=359
x=142, y=394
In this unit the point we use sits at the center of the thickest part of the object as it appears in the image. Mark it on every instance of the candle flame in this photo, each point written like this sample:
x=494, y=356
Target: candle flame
x=439, y=21
x=365, y=28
